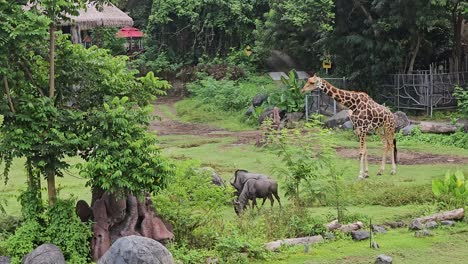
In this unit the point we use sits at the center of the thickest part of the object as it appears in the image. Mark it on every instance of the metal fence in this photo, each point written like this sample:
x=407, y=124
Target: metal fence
x=426, y=91
x=318, y=102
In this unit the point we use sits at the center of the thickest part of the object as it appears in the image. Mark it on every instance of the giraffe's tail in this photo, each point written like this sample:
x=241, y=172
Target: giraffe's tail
x=395, y=151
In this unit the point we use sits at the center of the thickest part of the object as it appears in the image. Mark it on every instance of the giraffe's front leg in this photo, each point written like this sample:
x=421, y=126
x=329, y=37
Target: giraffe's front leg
x=363, y=172
x=384, y=157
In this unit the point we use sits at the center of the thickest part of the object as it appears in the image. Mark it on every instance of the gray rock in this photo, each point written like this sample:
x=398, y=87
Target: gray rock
x=378, y=229
x=360, y=235
x=294, y=116
x=45, y=253
x=383, y=259
x=463, y=122
x=5, y=260
x=401, y=120
x=215, y=179
x=250, y=111
x=268, y=113
x=136, y=249
x=259, y=99
x=447, y=222
x=347, y=125
x=397, y=224
x=431, y=224
x=423, y=233
x=408, y=129
x=415, y=225
x=338, y=120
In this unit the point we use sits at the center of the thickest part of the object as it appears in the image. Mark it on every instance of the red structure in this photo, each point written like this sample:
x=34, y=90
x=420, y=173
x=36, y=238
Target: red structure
x=133, y=36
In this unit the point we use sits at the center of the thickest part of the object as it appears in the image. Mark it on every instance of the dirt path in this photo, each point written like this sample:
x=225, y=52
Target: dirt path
x=168, y=126
x=406, y=157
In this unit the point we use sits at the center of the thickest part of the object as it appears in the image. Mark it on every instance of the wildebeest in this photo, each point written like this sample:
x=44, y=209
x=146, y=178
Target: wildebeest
x=257, y=188
x=242, y=176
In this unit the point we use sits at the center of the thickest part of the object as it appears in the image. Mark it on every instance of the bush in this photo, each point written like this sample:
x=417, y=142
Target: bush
x=458, y=139
x=193, y=205
x=462, y=100
x=58, y=225
x=229, y=95
x=289, y=98
x=452, y=191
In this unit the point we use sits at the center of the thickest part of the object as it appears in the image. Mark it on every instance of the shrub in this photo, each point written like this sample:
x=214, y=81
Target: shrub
x=452, y=191
x=289, y=98
x=58, y=225
x=192, y=205
x=462, y=100
x=458, y=139
x=307, y=156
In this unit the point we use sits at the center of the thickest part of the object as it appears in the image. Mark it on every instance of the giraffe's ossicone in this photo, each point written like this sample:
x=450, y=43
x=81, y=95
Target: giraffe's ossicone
x=366, y=116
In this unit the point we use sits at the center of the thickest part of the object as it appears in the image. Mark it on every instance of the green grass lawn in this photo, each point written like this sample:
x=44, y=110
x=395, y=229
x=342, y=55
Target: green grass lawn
x=70, y=184
x=447, y=245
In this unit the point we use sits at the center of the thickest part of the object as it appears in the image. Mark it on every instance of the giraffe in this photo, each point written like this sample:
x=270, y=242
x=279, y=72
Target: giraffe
x=366, y=115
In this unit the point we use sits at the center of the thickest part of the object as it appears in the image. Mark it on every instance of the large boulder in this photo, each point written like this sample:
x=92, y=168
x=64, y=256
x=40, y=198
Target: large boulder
x=401, y=120
x=45, y=253
x=338, y=120
x=137, y=249
x=383, y=259
x=259, y=99
x=5, y=260
x=360, y=235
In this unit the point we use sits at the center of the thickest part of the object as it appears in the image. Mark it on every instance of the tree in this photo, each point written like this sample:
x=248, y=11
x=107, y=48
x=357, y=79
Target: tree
x=187, y=30
x=296, y=27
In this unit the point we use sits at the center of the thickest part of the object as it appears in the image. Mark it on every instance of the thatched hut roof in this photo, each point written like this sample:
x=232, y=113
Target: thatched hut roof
x=108, y=16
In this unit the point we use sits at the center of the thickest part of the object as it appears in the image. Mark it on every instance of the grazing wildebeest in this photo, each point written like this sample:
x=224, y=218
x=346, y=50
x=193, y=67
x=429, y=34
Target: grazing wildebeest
x=256, y=188
x=242, y=176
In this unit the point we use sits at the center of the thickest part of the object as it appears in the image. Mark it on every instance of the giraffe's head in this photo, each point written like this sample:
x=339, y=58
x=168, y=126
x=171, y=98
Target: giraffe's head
x=312, y=83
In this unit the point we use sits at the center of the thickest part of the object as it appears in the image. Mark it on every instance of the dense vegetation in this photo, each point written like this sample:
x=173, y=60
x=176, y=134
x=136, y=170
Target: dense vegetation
x=48, y=83
x=364, y=39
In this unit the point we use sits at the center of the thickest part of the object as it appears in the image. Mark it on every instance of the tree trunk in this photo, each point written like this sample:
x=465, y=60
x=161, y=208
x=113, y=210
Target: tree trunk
x=50, y=170
x=456, y=214
x=438, y=128
x=415, y=54
x=52, y=194
x=457, y=19
x=51, y=61
x=272, y=246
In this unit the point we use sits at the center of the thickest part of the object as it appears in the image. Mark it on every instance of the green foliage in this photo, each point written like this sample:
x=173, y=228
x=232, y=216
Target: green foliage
x=31, y=203
x=8, y=224
x=461, y=94
x=307, y=156
x=125, y=157
x=39, y=131
x=193, y=205
x=289, y=98
x=239, y=248
x=189, y=256
x=58, y=225
x=452, y=191
x=208, y=28
x=26, y=238
x=295, y=27
x=229, y=95
x=106, y=38
x=458, y=139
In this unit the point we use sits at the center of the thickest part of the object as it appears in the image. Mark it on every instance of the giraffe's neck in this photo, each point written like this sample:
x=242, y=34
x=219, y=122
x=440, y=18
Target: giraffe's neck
x=341, y=96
